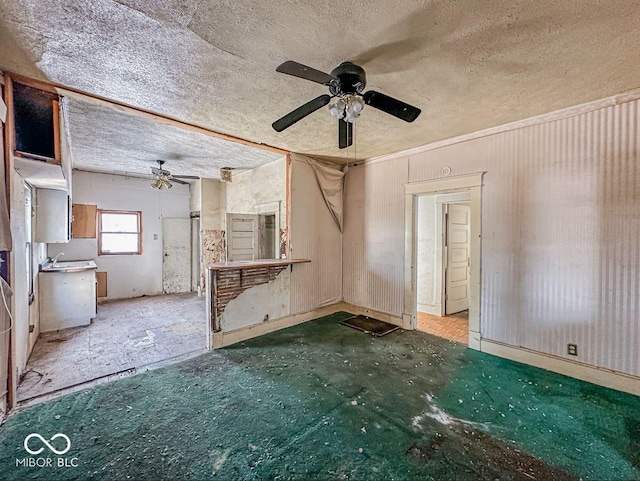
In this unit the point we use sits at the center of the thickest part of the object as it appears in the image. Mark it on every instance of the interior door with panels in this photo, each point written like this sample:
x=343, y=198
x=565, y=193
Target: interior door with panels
x=458, y=252
x=242, y=233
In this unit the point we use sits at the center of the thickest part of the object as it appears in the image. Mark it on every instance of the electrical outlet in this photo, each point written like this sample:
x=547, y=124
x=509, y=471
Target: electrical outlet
x=572, y=349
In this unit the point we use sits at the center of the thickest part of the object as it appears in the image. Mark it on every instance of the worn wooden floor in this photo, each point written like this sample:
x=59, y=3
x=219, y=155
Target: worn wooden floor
x=454, y=327
x=126, y=335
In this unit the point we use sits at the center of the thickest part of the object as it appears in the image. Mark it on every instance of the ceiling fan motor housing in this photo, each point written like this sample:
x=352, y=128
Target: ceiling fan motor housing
x=352, y=79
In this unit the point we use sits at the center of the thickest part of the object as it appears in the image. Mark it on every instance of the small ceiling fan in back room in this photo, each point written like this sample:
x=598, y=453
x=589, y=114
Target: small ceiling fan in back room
x=346, y=83
x=164, y=178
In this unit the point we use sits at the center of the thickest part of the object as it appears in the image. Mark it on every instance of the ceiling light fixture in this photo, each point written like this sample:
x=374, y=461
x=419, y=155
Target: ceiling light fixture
x=347, y=107
x=161, y=182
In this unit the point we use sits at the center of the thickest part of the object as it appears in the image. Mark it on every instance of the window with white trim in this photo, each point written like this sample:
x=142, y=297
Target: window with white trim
x=119, y=232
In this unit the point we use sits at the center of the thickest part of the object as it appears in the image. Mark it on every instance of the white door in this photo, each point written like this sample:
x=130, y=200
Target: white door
x=242, y=235
x=176, y=251
x=457, y=260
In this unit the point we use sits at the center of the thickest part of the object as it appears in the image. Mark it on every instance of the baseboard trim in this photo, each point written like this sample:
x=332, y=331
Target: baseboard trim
x=226, y=338
x=585, y=372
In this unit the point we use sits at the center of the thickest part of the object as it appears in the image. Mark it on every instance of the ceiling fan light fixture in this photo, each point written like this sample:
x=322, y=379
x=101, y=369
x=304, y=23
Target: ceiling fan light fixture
x=336, y=111
x=348, y=107
x=346, y=82
x=161, y=182
x=357, y=104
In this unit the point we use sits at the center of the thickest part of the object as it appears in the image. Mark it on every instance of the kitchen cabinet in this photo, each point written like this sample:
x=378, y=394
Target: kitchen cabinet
x=83, y=221
x=52, y=216
x=101, y=285
x=36, y=123
x=67, y=295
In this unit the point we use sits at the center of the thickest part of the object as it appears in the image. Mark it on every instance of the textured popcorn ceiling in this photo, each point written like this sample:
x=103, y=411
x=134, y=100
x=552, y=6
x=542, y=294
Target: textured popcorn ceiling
x=468, y=64
x=105, y=140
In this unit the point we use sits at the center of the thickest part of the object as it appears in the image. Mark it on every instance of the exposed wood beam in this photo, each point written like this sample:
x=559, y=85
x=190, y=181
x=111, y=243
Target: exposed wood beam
x=135, y=111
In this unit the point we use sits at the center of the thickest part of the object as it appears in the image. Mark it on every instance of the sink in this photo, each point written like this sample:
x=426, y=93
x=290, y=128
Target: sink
x=69, y=266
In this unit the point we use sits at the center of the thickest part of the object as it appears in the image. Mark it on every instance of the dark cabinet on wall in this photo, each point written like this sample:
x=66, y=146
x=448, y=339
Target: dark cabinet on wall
x=36, y=123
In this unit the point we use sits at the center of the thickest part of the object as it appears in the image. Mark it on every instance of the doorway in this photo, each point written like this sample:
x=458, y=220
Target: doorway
x=443, y=265
x=442, y=285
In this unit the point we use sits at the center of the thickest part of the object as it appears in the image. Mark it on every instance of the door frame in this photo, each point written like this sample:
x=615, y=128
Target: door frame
x=471, y=183
x=272, y=208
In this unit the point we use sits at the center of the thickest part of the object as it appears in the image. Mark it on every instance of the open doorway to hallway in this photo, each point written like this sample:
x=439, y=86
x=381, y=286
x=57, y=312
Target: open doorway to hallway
x=443, y=259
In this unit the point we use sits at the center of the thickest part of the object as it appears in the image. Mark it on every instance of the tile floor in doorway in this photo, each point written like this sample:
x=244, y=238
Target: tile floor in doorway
x=126, y=334
x=454, y=327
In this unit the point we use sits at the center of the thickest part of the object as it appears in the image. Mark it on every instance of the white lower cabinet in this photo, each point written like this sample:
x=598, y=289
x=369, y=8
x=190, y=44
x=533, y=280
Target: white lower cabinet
x=67, y=299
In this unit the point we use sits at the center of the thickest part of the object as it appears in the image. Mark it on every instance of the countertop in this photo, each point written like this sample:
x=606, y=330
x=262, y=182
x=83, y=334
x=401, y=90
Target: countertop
x=68, y=266
x=236, y=265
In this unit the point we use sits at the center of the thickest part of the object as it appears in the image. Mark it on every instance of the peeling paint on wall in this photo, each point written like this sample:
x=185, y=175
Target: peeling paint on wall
x=258, y=303
x=214, y=249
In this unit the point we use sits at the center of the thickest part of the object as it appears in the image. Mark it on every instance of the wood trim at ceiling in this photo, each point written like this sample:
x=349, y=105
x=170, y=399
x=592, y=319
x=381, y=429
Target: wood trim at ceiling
x=137, y=112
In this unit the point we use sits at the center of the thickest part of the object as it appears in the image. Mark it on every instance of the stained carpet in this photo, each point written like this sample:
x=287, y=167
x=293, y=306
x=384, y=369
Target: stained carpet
x=318, y=401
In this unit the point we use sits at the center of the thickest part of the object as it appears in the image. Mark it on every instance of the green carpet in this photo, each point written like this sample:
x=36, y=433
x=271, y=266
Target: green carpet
x=323, y=401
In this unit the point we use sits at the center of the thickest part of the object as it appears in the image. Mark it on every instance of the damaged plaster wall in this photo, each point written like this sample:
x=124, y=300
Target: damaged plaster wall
x=259, y=304
x=212, y=214
x=307, y=286
x=127, y=275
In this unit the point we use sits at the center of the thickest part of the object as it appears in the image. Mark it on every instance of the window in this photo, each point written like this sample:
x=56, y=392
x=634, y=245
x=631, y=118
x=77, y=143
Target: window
x=119, y=232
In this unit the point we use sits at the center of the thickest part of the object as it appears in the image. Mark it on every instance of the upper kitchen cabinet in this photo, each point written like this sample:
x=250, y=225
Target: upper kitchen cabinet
x=36, y=133
x=52, y=216
x=36, y=116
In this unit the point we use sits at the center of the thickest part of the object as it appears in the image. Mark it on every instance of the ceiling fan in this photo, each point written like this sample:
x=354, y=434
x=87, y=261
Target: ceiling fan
x=163, y=177
x=346, y=83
